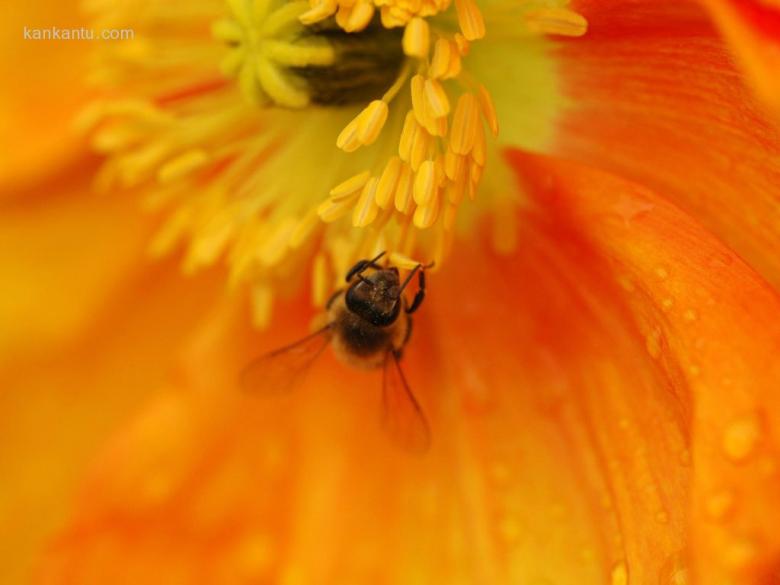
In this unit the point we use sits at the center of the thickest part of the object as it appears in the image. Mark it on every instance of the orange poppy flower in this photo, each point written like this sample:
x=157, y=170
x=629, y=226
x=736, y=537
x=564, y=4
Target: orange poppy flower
x=595, y=354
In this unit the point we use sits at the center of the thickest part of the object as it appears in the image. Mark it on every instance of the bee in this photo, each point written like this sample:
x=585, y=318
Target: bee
x=368, y=325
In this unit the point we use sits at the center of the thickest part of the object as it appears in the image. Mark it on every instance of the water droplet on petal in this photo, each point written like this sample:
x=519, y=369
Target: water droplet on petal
x=662, y=273
x=690, y=315
x=719, y=504
x=653, y=343
x=740, y=553
x=741, y=437
x=619, y=574
x=674, y=571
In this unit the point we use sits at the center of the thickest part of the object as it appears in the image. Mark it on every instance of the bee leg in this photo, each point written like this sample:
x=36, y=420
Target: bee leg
x=420, y=295
x=361, y=265
x=416, y=302
x=407, y=336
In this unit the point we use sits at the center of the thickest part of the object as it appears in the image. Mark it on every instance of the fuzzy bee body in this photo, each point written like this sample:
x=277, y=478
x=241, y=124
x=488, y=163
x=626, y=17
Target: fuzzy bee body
x=361, y=344
x=367, y=324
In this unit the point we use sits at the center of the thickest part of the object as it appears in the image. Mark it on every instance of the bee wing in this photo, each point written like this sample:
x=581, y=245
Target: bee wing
x=283, y=369
x=402, y=416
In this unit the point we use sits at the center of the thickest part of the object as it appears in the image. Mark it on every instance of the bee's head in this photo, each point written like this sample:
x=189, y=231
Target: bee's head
x=376, y=297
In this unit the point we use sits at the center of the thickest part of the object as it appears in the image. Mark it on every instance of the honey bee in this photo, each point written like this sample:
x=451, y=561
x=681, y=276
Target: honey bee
x=368, y=324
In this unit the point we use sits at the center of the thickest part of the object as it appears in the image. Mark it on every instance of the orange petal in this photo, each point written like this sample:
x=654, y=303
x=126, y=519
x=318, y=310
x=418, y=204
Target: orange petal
x=753, y=29
x=44, y=86
x=657, y=99
x=559, y=454
x=713, y=328
x=64, y=250
x=57, y=407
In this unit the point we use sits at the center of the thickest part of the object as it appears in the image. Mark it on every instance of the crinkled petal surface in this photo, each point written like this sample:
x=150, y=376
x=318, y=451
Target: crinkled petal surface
x=570, y=388
x=753, y=29
x=652, y=93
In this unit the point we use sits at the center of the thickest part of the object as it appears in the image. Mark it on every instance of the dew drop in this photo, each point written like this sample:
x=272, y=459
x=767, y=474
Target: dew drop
x=653, y=343
x=674, y=571
x=619, y=574
x=741, y=437
x=667, y=304
x=662, y=273
x=679, y=577
x=690, y=315
x=740, y=553
x=719, y=504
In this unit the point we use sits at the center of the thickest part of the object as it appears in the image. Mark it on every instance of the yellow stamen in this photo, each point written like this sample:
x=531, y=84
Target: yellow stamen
x=350, y=186
x=463, y=44
x=182, y=165
x=420, y=146
x=416, y=40
x=464, y=124
x=488, y=109
x=366, y=209
x=348, y=140
x=556, y=21
x=320, y=11
x=251, y=178
x=330, y=210
x=370, y=121
x=440, y=64
x=479, y=152
x=360, y=17
x=425, y=183
x=470, y=19
x=407, y=137
x=436, y=98
x=403, y=193
x=403, y=261
x=425, y=215
x=386, y=187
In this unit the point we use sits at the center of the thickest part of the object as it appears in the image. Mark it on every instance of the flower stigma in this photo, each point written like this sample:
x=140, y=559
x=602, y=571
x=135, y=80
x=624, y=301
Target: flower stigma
x=295, y=137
